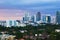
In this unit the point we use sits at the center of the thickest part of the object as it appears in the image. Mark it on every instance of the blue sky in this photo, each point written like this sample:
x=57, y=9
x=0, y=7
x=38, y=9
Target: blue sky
x=44, y=6
x=30, y=4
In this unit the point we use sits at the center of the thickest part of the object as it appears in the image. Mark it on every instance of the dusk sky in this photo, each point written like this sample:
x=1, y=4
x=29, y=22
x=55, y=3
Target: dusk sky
x=15, y=9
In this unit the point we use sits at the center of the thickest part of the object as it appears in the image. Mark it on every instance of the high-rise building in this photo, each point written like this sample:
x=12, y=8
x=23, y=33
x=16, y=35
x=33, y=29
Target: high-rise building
x=46, y=19
x=38, y=16
x=53, y=19
x=26, y=17
x=11, y=23
x=3, y=23
x=32, y=18
x=58, y=17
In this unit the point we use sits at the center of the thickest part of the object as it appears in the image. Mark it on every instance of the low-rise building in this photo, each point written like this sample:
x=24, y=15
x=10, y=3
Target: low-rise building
x=7, y=37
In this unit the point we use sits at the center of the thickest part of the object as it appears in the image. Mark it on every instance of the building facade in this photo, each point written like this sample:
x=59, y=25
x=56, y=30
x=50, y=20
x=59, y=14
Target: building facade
x=38, y=16
x=58, y=17
x=46, y=19
x=26, y=17
x=11, y=23
x=32, y=18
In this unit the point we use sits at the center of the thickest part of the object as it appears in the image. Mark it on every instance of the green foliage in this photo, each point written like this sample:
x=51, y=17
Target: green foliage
x=40, y=29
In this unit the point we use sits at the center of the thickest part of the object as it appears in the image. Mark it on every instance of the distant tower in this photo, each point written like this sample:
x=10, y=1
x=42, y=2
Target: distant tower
x=26, y=17
x=58, y=17
x=53, y=19
x=46, y=19
x=11, y=23
x=38, y=16
x=32, y=18
x=26, y=14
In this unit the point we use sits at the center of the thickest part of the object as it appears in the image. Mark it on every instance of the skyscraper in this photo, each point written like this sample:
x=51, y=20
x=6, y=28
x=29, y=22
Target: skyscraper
x=26, y=17
x=11, y=23
x=46, y=19
x=32, y=18
x=53, y=19
x=58, y=17
x=3, y=23
x=38, y=16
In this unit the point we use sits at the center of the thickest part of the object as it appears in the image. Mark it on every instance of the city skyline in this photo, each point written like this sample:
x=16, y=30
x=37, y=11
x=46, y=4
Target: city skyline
x=15, y=9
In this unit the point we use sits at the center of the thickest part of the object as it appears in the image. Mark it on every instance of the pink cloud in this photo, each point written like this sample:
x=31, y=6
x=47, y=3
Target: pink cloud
x=6, y=14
